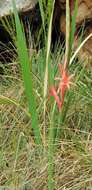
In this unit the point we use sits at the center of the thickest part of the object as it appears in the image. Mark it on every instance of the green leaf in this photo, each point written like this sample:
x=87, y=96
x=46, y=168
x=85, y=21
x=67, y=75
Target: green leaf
x=27, y=77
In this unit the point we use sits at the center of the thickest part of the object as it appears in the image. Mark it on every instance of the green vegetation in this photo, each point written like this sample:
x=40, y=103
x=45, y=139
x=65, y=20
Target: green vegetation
x=43, y=146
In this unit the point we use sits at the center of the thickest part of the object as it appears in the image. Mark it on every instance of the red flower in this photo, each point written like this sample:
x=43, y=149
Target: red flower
x=64, y=84
x=54, y=93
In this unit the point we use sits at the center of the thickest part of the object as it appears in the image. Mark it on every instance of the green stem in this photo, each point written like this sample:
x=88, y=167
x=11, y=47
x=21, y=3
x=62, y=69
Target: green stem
x=51, y=152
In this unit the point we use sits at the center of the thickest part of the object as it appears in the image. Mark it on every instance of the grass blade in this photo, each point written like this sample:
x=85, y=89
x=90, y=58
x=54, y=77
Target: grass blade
x=73, y=25
x=5, y=101
x=27, y=78
x=41, y=6
x=67, y=34
x=48, y=45
x=78, y=49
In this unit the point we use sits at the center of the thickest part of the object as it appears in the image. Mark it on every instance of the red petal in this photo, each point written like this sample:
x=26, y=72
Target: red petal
x=54, y=93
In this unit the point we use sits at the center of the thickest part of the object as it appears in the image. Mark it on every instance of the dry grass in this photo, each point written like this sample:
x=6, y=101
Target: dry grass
x=22, y=166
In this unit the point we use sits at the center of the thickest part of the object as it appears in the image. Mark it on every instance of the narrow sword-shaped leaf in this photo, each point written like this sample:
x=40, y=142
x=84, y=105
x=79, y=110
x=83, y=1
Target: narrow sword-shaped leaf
x=27, y=78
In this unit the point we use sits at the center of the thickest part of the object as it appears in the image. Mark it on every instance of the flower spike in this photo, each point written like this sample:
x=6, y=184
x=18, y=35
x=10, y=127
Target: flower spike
x=64, y=85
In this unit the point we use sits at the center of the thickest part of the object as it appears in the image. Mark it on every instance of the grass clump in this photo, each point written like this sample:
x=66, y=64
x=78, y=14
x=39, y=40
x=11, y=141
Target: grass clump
x=43, y=144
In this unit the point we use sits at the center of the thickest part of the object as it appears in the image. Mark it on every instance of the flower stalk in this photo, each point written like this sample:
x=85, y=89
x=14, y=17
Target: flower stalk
x=65, y=78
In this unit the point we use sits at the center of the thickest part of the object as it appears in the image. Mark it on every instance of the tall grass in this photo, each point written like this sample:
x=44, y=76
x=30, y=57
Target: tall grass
x=54, y=122
x=24, y=60
x=47, y=75
x=28, y=81
x=27, y=76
